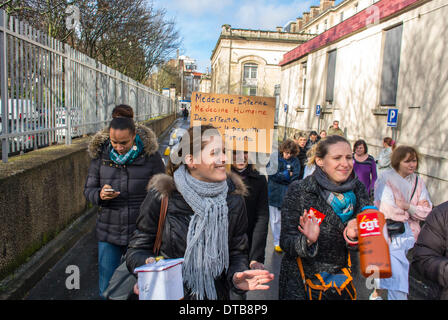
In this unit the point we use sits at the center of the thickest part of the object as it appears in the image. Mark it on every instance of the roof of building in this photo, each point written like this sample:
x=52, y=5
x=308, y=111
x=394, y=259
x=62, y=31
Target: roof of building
x=387, y=9
x=259, y=35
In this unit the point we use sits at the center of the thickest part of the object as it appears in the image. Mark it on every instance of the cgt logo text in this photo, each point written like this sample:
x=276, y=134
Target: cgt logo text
x=369, y=225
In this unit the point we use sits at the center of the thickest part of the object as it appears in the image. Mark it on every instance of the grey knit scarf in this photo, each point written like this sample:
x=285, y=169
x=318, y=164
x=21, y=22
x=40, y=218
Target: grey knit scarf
x=207, y=254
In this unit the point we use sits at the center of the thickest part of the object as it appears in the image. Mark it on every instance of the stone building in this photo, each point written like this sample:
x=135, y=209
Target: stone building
x=326, y=15
x=205, y=83
x=247, y=61
x=373, y=56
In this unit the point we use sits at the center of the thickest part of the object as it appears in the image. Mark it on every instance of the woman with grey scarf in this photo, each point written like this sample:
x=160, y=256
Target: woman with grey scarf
x=205, y=223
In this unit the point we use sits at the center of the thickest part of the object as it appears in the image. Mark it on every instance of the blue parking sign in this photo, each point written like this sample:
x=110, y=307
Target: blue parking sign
x=392, y=117
x=318, y=110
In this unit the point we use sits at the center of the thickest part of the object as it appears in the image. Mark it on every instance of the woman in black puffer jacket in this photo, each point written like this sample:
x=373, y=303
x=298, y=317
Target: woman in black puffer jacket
x=205, y=223
x=124, y=158
x=333, y=190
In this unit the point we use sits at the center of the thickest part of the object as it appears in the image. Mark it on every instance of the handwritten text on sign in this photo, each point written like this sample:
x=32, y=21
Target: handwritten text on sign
x=246, y=122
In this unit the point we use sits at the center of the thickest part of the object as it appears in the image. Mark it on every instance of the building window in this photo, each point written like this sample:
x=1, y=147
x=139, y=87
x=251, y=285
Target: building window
x=356, y=7
x=331, y=68
x=303, y=83
x=325, y=25
x=250, y=79
x=391, y=66
x=342, y=16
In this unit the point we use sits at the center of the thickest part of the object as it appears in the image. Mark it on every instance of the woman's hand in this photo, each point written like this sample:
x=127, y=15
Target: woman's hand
x=309, y=227
x=150, y=260
x=423, y=203
x=136, y=291
x=402, y=204
x=108, y=195
x=352, y=229
x=252, y=279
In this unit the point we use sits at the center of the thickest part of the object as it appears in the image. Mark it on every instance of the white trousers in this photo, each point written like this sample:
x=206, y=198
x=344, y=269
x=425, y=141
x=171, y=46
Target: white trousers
x=396, y=295
x=275, y=219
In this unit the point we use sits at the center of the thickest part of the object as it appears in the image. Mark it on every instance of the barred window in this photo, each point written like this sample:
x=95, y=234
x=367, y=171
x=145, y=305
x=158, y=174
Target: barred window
x=250, y=71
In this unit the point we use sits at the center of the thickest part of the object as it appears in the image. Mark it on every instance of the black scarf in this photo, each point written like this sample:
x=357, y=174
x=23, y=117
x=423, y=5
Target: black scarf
x=326, y=184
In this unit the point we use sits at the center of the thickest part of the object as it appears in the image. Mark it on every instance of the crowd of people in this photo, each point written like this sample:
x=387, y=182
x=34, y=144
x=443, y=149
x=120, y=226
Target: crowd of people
x=217, y=216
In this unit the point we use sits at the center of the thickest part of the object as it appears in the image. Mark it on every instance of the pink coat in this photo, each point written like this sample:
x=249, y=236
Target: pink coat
x=420, y=203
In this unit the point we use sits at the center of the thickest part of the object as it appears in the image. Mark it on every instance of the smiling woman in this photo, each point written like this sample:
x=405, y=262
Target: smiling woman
x=334, y=195
x=207, y=218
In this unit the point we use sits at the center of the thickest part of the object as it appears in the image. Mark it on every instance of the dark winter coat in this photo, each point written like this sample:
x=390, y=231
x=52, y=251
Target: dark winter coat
x=310, y=144
x=278, y=182
x=257, y=208
x=329, y=253
x=174, y=236
x=430, y=256
x=116, y=218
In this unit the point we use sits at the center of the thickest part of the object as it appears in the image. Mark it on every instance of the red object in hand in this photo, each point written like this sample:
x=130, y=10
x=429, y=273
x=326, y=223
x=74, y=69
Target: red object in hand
x=319, y=215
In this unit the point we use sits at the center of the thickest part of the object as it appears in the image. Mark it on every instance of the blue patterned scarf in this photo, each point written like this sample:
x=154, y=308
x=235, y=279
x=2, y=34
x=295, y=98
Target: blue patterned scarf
x=342, y=204
x=340, y=197
x=130, y=156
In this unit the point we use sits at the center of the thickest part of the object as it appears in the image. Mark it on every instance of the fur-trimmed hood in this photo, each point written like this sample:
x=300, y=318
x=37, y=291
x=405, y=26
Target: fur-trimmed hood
x=164, y=185
x=147, y=136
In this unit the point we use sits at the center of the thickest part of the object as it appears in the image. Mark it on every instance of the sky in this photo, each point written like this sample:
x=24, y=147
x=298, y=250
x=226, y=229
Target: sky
x=199, y=21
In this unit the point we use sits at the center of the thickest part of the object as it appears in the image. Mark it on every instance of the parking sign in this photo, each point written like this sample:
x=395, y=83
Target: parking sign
x=392, y=117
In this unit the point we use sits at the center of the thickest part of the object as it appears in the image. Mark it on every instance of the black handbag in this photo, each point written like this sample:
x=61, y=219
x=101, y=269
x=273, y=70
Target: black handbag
x=121, y=285
x=397, y=227
x=394, y=227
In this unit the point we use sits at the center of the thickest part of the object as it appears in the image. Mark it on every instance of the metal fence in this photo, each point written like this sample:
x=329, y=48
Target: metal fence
x=51, y=93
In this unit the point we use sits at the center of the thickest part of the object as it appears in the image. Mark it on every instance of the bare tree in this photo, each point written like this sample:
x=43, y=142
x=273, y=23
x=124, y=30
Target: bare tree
x=45, y=15
x=130, y=36
x=166, y=76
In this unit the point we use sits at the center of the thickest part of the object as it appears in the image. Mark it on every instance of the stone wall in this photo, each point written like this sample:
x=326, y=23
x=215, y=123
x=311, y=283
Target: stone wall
x=41, y=193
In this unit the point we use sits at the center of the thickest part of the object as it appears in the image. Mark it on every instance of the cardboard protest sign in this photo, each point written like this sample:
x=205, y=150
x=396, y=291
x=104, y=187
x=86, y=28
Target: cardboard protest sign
x=246, y=122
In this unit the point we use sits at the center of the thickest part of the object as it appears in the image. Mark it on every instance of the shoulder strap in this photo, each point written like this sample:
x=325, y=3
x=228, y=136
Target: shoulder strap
x=302, y=273
x=163, y=209
x=415, y=187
